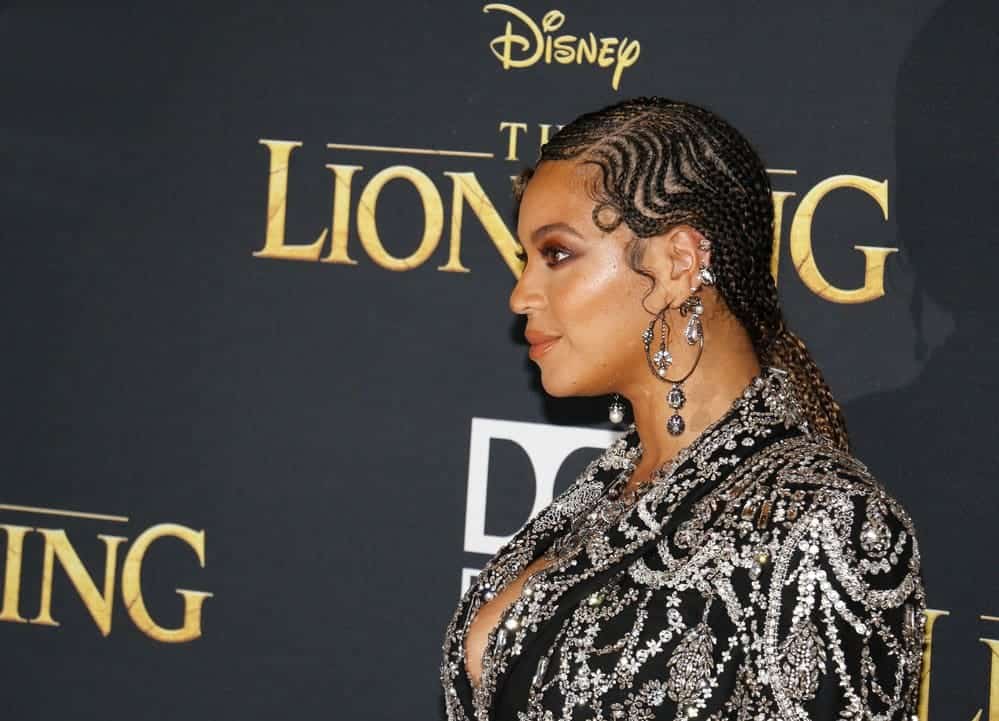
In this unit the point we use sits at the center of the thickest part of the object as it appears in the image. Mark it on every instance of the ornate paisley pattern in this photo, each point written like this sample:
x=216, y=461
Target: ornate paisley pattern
x=768, y=576
x=802, y=659
x=690, y=665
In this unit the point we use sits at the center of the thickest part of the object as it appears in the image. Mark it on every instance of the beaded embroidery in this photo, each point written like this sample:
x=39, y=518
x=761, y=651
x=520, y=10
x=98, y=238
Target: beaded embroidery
x=767, y=576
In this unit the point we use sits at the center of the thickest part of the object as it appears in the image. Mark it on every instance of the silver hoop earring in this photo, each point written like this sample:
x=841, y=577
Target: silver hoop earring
x=660, y=362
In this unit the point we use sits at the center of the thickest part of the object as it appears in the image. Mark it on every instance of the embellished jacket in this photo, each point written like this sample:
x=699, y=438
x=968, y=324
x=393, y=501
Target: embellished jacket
x=767, y=577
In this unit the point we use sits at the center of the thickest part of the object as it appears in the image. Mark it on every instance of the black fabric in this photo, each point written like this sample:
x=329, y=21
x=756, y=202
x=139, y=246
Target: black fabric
x=768, y=575
x=511, y=695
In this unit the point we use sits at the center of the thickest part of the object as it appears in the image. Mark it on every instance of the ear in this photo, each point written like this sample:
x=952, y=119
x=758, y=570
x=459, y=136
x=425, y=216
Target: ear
x=675, y=259
x=684, y=245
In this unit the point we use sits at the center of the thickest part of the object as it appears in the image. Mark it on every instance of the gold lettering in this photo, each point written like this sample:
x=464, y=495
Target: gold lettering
x=536, y=44
x=606, y=56
x=343, y=175
x=564, y=51
x=551, y=22
x=545, y=132
x=627, y=57
x=277, y=204
x=587, y=50
x=467, y=187
x=923, y=710
x=99, y=605
x=433, y=211
x=12, y=573
x=514, y=128
x=508, y=39
x=131, y=585
x=801, y=242
x=993, y=645
x=779, y=196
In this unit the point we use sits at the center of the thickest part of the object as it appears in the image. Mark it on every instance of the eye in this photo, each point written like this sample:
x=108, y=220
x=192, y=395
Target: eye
x=547, y=252
x=552, y=251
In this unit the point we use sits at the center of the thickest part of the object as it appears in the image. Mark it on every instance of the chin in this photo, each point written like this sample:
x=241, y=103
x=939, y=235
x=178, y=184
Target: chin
x=559, y=386
x=553, y=385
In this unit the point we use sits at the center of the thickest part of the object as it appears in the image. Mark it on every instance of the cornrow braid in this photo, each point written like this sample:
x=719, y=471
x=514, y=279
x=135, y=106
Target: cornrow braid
x=666, y=162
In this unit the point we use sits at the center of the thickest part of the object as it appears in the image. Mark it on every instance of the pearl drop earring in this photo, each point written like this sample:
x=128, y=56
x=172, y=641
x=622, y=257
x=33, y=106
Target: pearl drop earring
x=616, y=413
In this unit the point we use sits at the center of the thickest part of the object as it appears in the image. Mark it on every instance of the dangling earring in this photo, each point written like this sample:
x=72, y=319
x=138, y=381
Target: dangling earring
x=691, y=308
x=694, y=335
x=661, y=361
x=616, y=413
x=704, y=273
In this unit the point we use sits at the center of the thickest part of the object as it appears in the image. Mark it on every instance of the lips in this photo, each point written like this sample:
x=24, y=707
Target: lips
x=536, y=336
x=541, y=343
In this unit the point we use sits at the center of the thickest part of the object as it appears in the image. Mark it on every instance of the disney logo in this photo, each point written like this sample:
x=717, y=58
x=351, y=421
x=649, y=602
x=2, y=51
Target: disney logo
x=537, y=44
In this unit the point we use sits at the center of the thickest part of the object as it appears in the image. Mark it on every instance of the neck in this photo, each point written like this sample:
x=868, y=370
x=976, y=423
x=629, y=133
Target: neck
x=727, y=365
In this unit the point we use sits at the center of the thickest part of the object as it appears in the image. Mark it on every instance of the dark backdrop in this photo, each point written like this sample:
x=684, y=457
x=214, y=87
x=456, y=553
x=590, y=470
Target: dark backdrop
x=307, y=426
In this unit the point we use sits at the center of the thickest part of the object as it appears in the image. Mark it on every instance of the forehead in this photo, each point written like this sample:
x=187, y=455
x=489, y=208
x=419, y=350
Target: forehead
x=557, y=192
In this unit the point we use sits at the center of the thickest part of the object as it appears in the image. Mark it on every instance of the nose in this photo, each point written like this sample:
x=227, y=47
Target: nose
x=526, y=294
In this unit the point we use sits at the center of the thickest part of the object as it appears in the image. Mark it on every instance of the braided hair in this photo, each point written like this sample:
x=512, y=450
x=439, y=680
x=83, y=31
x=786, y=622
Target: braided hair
x=665, y=162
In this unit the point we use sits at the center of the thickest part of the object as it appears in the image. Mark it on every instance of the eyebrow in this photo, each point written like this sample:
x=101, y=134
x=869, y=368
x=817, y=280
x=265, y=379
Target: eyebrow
x=551, y=227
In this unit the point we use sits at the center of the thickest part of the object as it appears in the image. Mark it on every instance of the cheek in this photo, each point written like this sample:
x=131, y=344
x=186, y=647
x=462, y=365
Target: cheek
x=598, y=309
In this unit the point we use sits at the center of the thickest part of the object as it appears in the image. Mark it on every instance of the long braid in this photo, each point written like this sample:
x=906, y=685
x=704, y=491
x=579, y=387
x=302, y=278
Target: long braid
x=666, y=162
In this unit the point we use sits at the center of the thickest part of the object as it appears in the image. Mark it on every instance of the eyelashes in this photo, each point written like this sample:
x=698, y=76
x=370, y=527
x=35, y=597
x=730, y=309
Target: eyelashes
x=548, y=252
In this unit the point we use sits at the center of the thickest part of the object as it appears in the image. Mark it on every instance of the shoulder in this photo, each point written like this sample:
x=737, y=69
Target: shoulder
x=835, y=573
x=806, y=480
x=814, y=516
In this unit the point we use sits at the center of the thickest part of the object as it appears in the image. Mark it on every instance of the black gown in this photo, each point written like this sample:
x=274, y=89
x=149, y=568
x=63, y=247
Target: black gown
x=767, y=577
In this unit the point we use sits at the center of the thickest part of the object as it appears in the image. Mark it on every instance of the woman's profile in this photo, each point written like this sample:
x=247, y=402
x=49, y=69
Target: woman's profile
x=727, y=557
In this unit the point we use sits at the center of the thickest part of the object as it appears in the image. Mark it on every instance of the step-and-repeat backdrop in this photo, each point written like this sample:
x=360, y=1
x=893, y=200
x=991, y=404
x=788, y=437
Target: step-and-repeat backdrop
x=265, y=407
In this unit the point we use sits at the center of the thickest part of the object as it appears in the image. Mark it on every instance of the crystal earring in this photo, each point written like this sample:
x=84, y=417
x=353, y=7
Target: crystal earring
x=663, y=359
x=660, y=362
x=616, y=413
x=704, y=273
x=693, y=307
